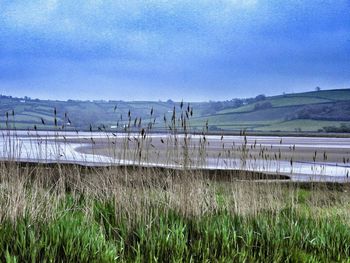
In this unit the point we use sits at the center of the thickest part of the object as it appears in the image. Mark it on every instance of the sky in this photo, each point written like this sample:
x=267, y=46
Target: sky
x=156, y=50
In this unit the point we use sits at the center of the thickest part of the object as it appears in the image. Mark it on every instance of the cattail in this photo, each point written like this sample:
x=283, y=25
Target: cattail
x=174, y=115
x=314, y=157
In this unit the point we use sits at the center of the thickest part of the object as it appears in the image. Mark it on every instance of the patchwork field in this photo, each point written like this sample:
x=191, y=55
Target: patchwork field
x=310, y=111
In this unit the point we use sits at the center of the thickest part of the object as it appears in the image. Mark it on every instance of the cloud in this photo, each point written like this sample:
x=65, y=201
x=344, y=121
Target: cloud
x=175, y=43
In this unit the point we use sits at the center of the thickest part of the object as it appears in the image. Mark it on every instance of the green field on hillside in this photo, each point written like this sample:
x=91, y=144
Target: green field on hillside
x=301, y=125
x=309, y=111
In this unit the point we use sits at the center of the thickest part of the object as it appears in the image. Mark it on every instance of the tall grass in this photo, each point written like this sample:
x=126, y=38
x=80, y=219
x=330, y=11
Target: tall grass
x=79, y=213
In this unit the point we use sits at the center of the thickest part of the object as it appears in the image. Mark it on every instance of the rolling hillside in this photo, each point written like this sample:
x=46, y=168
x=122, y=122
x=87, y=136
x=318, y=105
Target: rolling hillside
x=310, y=111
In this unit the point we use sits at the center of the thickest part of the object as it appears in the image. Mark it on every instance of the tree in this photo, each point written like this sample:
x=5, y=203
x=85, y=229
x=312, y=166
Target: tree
x=260, y=97
x=317, y=88
x=263, y=105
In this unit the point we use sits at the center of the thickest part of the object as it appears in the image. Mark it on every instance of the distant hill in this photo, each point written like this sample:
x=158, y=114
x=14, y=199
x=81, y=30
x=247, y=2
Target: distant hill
x=327, y=110
x=309, y=111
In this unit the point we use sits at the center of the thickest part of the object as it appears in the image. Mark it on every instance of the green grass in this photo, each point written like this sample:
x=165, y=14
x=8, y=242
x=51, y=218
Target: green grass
x=304, y=125
x=72, y=236
x=231, y=126
x=296, y=100
x=245, y=108
x=335, y=95
x=280, y=101
x=266, y=116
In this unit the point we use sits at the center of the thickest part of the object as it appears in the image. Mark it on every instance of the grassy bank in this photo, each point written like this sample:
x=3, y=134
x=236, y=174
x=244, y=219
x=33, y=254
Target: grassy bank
x=74, y=213
x=171, y=237
x=77, y=214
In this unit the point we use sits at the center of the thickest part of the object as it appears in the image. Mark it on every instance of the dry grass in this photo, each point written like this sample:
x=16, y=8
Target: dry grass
x=37, y=189
x=134, y=196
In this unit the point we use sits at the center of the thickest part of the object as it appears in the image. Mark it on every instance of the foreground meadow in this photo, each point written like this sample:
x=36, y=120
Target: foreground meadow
x=79, y=213
x=71, y=213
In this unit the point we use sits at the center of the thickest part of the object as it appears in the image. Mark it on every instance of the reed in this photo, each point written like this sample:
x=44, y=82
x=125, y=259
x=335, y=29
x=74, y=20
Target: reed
x=127, y=212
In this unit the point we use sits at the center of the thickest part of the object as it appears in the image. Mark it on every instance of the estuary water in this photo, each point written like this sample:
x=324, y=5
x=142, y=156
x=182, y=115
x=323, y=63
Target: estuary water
x=302, y=158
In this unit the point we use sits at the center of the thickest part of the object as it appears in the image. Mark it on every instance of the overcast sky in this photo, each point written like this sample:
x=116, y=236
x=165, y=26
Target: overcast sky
x=150, y=50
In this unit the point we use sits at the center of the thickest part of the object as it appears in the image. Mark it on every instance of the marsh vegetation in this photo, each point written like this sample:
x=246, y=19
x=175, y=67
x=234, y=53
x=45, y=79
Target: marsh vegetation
x=77, y=213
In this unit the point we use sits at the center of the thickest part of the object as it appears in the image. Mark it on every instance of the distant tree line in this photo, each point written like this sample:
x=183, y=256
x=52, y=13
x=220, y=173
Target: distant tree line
x=263, y=105
x=337, y=111
x=215, y=106
x=344, y=128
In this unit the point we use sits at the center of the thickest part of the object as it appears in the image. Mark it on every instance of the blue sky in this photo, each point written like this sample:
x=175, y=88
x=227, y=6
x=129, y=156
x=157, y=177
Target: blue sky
x=150, y=50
